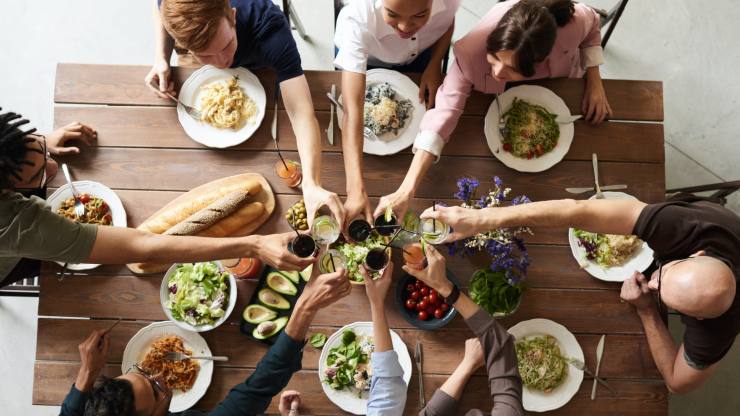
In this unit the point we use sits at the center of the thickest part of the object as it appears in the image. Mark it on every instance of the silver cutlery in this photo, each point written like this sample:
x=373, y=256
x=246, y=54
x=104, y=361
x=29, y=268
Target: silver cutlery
x=178, y=356
x=595, y=161
x=107, y=331
x=330, y=130
x=591, y=188
x=599, y=355
x=191, y=111
x=63, y=274
x=273, y=127
x=79, y=205
x=581, y=366
x=418, y=360
x=567, y=119
x=366, y=131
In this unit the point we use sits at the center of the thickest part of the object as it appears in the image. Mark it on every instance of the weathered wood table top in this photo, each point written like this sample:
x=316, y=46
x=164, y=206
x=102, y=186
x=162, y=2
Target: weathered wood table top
x=146, y=157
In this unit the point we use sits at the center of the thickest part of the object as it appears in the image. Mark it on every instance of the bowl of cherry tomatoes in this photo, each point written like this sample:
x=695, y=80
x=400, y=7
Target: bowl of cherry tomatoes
x=421, y=305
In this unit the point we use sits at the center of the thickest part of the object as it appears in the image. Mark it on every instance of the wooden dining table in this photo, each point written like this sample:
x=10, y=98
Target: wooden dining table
x=145, y=156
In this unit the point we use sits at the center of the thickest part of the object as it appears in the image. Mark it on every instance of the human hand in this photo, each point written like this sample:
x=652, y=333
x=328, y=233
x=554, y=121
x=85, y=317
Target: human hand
x=356, y=205
x=463, y=222
x=93, y=355
x=56, y=141
x=635, y=291
x=474, y=356
x=273, y=250
x=377, y=289
x=289, y=402
x=595, y=106
x=399, y=200
x=435, y=274
x=315, y=197
x=158, y=79
x=431, y=79
x=324, y=289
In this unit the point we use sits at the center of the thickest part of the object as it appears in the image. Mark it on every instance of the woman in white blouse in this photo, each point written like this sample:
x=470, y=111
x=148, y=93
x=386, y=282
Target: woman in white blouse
x=403, y=35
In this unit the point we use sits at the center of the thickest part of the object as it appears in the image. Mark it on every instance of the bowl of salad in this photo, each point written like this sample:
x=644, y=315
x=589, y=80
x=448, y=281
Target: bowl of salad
x=198, y=296
x=355, y=254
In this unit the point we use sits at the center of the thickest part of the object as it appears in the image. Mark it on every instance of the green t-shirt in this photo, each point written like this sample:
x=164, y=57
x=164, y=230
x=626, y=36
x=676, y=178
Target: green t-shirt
x=29, y=229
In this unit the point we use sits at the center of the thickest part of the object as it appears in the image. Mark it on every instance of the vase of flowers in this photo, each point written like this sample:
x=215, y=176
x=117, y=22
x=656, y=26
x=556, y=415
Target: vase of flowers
x=499, y=288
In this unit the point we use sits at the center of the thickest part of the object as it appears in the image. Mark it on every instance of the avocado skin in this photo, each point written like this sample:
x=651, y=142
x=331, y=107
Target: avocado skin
x=270, y=315
x=282, y=303
x=279, y=325
x=281, y=284
x=292, y=276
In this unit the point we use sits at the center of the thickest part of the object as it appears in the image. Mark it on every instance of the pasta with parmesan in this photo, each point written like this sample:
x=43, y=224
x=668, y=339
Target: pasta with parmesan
x=223, y=104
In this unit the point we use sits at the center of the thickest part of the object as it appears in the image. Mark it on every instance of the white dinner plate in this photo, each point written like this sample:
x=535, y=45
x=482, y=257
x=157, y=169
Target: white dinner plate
x=639, y=261
x=390, y=143
x=348, y=400
x=139, y=345
x=203, y=132
x=93, y=189
x=536, y=95
x=538, y=401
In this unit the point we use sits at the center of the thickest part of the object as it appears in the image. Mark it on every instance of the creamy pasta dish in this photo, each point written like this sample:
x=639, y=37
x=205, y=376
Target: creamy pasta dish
x=224, y=105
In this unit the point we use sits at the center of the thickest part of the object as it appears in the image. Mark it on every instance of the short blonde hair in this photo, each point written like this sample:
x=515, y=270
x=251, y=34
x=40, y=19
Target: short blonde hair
x=193, y=23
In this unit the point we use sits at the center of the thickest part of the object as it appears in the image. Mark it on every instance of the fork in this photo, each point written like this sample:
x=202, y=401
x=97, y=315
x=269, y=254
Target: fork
x=595, y=160
x=502, y=129
x=192, y=112
x=79, y=206
x=582, y=366
x=365, y=130
x=178, y=356
x=418, y=359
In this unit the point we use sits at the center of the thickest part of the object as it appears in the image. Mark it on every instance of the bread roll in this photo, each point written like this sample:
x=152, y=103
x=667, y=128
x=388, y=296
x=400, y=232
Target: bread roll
x=228, y=226
x=210, y=215
x=170, y=217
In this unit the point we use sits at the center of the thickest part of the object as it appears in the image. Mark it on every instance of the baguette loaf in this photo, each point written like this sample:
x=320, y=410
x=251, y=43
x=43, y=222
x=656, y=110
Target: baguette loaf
x=210, y=215
x=172, y=216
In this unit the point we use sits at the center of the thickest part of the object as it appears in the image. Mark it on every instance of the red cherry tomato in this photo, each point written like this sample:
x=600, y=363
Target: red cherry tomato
x=424, y=290
x=445, y=307
x=108, y=218
x=433, y=298
x=423, y=304
x=438, y=313
x=410, y=304
x=84, y=198
x=410, y=287
x=430, y=310
x=423, y=315
x=418, y=307
x=415, y=295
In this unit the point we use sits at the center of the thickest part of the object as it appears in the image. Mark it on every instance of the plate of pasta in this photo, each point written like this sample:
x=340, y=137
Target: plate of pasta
x=533, y=140
x=543, y=349
x=392, y=112
x=188, y=379
x=102, y=207
x=231, y=102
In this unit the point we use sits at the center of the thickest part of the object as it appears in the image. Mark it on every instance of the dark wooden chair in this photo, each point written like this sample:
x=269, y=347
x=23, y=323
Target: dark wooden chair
x=27, y=288
x=293, y=20
x=610, y=18
x=720, y=191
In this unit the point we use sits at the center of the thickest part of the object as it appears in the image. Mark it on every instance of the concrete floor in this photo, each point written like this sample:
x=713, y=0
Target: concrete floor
x=688, y=46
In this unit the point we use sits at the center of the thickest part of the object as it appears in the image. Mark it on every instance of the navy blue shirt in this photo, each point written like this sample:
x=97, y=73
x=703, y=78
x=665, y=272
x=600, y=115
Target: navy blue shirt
x=264, y=39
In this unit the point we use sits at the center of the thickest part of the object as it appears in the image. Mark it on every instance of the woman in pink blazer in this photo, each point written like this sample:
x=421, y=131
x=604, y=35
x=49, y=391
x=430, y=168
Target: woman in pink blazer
x=516, y=40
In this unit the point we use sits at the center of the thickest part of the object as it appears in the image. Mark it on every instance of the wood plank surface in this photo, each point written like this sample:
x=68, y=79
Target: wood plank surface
x=633, y=397
x=174, y=170
x=124, y=85
x=627, y=356
x=158, y=127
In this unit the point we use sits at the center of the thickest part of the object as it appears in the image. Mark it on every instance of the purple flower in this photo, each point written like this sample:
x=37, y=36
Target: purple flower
x=498, y=181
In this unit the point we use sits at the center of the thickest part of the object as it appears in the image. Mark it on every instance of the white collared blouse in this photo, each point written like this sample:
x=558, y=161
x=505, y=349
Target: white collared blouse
x=363, y=37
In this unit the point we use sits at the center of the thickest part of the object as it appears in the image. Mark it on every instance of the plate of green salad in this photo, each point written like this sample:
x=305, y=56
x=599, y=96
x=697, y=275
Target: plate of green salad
x=610, y=257
x=198, y=296
x=533, y=141
x=543, y=348
x=355, y=254
x=345, y=365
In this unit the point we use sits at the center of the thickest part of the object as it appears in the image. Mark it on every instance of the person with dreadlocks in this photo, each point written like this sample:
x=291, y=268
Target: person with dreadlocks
x=30, y=231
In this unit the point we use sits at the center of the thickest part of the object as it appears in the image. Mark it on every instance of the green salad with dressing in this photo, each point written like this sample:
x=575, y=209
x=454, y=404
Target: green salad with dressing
x=198, y=293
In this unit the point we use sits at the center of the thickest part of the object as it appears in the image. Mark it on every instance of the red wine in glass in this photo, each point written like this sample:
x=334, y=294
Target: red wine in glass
x=303, y=246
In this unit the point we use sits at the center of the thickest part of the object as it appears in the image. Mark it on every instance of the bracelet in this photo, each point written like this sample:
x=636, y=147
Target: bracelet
x=454, y=295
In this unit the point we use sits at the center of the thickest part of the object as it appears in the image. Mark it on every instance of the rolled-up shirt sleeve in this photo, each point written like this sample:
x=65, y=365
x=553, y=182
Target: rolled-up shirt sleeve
x=592, y=54
x=387, y=389
x=439, y=122
x=349, y=39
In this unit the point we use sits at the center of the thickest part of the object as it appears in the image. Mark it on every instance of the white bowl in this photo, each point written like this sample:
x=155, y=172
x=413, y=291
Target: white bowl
x=164, y=297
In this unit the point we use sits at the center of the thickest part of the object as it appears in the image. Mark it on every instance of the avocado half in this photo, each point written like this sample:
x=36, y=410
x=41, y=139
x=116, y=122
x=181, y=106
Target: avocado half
x=255, y=314
x=267, y=329
x=281, y=284
x=306, y=273
x=293, y=276
x=270, y=298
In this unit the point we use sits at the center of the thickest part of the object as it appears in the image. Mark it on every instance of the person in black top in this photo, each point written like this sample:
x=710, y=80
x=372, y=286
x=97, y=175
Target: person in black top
x=697, y=255
x=139, y=393
x=253, y=34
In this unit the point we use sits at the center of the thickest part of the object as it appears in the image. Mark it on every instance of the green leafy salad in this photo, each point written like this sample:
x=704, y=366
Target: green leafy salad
x=198, y=293
x=541, y=365
x=355, y=254
x=492, y=292
x=607, y=250
x=348, y=363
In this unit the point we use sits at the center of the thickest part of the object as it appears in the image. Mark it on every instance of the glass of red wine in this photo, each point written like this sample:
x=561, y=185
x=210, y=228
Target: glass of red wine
x=377, y=258
x=303, y=245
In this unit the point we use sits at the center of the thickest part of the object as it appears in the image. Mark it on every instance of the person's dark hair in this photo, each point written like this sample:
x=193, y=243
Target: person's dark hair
x=111, y=397
x=529, y=29
x=13, y=147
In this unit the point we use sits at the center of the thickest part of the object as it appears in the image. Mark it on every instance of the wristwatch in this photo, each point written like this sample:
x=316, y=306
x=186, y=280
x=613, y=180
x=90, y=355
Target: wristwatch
x=454, y=294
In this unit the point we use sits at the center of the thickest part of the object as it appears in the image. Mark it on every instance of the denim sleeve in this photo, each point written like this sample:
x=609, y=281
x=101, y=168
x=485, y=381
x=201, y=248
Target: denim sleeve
x=387, y=389
x=74, y=403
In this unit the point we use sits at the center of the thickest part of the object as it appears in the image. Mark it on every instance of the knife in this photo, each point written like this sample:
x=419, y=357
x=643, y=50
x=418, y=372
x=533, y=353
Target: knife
x=273, y=128
x=599, y=354
x=330, y=130
x=603, y=188
x=567, y=119
x=595, y=163
x=418, y=359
